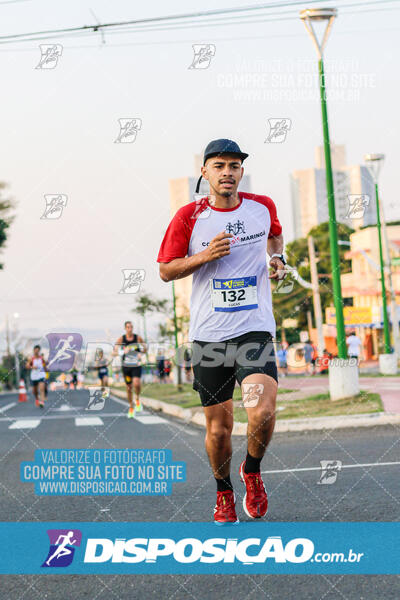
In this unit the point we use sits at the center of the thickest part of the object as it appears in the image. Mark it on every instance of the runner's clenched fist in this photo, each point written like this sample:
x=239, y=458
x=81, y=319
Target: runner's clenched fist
x=219, y=246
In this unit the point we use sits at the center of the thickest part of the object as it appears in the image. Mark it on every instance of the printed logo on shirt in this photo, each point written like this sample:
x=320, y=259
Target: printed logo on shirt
x=246, y=238
x=235, y=228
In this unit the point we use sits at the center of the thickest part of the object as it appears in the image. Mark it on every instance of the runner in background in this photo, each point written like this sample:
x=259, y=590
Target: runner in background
x=67, y=381
x=281, y=355
x=308, y=357
x=80, y=380
x=62, y=379
x=37, y=366
x=130, y=346
x=74, y=374
x=46, y=381
x=102, y=368
x=187, y=357
x=314, y=358
x=161, y=368
x=167, y=370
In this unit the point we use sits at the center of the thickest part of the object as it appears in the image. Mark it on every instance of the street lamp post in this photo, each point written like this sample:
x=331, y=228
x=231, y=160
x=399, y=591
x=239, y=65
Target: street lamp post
x=344, y=382
x=16, y=355
x=387, y=361
x=309, y=16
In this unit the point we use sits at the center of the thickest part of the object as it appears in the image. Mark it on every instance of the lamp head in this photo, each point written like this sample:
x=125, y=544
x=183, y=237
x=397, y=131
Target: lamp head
x=318, y=14
x=374, y=163
x=310, y=16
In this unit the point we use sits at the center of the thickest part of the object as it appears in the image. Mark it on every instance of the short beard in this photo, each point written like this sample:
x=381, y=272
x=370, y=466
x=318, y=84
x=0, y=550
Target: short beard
x=226, y=194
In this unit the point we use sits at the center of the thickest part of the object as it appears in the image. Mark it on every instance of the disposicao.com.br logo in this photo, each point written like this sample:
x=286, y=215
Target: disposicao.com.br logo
x=62, y=547
x=247, y=551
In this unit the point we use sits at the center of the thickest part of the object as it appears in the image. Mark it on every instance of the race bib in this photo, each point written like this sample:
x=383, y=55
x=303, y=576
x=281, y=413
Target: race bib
x=132, y=358
x=228, y=295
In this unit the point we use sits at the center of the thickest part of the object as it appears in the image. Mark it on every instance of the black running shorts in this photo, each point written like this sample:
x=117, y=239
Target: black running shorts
x=218, y=365
x=130, y=372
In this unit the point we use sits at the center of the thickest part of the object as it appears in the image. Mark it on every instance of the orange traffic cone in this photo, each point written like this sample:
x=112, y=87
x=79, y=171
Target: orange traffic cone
x=22, y=397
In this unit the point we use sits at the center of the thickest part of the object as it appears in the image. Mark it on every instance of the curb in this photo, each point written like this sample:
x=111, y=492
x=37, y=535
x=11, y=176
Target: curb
x=337, y=422
x=281, y=426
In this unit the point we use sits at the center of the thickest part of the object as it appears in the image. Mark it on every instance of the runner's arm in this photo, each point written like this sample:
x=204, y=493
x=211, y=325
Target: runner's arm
x=141, y=342
x=275, y=246
x=117, y=346
x=178, y=268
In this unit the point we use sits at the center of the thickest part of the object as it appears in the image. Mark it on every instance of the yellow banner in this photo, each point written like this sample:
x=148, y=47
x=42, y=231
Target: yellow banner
x=353, y=315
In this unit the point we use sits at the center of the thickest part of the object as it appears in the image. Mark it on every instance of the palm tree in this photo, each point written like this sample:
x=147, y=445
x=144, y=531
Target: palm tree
x=145, y=304
x=5, y=219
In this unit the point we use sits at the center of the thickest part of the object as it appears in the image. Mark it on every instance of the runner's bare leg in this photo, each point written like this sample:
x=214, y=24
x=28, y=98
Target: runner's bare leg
x=261, y=417
x=219, y=423
x=129, y=394
x=137, y=387
x=41, y=392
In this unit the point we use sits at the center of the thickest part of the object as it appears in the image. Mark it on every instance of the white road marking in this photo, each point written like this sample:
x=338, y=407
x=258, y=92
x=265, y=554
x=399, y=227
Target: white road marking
x=185, y=429
x=85, y=421
x=188, y=430
x=25, y=424
x=386, y=464
x=7, y=406
x=63, y=408
x=76, y=413
x=150, y=420
x=123, y=402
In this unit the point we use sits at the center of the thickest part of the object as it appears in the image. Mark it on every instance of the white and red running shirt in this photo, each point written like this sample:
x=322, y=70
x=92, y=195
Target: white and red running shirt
x=231, y=295
x=38, y=371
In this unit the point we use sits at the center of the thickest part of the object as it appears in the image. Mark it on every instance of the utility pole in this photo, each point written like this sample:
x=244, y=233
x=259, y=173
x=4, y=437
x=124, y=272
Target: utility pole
x=309, y=324
x=316, y=296
x=8, y=336
x=393, y=305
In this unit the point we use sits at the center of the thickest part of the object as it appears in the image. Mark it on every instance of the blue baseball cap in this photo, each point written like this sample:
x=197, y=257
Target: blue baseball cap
x=223, y=146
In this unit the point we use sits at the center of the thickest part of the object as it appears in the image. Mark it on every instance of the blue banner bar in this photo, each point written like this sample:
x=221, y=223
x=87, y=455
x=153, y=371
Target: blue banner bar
x=185, y=548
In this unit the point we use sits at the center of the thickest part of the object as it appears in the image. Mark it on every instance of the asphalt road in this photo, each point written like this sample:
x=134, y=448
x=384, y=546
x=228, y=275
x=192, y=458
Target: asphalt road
x=369, y=493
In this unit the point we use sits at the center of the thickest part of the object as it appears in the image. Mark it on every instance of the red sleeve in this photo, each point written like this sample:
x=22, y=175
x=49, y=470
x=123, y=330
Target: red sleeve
x=275, y=227
x=177, y=237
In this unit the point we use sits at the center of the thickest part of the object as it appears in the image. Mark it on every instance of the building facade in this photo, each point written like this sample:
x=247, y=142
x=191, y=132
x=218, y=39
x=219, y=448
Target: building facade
x=363, y=284
x=353, y=187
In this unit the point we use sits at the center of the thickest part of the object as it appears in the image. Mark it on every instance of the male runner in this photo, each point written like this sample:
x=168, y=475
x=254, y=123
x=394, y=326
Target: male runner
x=130, y=349
x=37, y=366
x=102, y=368
x=224, y=245
x=74, y=374
x=46, y=381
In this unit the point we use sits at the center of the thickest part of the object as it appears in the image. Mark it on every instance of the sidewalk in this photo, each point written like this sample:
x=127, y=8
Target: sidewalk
x=387, y=387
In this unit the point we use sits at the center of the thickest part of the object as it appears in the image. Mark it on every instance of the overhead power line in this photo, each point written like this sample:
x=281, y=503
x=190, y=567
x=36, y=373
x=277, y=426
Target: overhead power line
x=171, y=21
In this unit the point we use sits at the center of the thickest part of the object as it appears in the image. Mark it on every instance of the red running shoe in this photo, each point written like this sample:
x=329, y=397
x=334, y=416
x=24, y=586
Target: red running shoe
x=255, y=501
x=225, y=511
